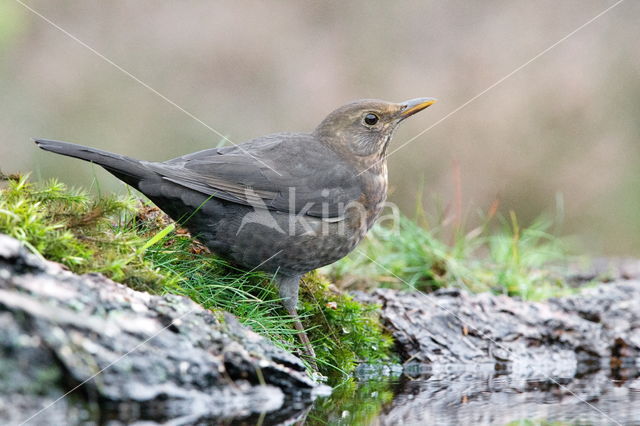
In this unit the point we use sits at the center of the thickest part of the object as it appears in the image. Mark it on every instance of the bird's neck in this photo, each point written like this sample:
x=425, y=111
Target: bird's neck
x=371, y=171
x=374, y=183
x=374, y=162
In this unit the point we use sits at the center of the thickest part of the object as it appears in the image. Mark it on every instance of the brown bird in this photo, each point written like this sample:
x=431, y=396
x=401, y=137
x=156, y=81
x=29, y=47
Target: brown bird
x=285, y=203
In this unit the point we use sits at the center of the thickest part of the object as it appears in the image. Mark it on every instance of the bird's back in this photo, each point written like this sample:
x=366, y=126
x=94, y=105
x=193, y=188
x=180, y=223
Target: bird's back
x=302, y=189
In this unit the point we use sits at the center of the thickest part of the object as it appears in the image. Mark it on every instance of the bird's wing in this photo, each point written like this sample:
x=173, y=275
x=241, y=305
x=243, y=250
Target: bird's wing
x=286, y=172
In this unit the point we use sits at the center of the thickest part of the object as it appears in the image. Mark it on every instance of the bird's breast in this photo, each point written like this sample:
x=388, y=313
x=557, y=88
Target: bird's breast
x=375, y=195
x=363, y=214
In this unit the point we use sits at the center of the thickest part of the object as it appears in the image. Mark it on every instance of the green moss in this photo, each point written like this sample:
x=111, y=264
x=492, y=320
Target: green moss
x=352, y=403
x=84, y=234
x=135, y=244
x=345, y=332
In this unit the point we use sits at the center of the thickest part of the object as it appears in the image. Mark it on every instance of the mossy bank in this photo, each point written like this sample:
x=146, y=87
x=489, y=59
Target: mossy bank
x=133, y=243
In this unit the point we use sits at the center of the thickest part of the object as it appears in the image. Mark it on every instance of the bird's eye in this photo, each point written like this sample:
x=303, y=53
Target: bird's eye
x=371, y=119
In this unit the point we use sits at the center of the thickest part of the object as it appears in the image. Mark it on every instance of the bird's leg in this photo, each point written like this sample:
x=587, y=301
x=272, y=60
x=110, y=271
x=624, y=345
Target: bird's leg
x=288, y=287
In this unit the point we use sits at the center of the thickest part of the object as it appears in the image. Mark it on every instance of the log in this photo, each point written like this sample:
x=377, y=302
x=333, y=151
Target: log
x=560, y=337
x=85, y=347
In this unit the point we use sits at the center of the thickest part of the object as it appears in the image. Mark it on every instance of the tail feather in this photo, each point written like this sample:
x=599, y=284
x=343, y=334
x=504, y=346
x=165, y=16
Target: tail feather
x=128, y=169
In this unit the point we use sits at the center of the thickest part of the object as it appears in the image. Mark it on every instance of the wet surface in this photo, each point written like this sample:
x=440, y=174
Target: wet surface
x=476, y=395
x=486, y=398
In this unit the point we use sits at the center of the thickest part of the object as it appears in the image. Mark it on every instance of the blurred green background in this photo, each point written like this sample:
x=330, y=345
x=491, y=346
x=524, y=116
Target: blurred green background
x=565, y=127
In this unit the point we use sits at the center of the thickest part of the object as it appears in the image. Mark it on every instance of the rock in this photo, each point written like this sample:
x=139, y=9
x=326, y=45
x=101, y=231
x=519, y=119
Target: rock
x=615, y=308
x=560, y=337
x=84, y=346
x=578, y=273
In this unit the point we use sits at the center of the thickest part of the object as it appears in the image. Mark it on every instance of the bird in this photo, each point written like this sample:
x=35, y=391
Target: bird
x=284, y=203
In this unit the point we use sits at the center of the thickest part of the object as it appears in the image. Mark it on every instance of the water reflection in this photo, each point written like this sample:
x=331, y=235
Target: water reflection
x=483, y=397
x=471, y=395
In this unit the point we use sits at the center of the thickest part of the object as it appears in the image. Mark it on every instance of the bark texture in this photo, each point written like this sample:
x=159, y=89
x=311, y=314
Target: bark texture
x=136, y=356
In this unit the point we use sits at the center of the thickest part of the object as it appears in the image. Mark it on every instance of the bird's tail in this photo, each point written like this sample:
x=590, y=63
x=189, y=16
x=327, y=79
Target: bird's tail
x=128, y=169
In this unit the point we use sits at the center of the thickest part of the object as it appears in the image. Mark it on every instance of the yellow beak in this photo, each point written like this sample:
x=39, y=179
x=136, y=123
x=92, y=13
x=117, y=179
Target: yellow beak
x=416, y=105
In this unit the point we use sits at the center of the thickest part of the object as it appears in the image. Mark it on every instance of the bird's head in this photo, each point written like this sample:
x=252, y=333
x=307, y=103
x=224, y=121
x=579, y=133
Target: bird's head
x=365, y=127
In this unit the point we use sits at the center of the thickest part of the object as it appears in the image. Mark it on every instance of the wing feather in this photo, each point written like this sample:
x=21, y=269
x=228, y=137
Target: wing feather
x=291, y=173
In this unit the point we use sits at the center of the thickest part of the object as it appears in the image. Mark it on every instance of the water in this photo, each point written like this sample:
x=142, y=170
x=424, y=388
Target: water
x=472, y=396
x=484, y=398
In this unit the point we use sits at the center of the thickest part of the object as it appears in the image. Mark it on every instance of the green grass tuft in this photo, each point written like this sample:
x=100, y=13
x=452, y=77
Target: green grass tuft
x=510, y=260
x=71, y=228
x=343, y=332
x=136, y=244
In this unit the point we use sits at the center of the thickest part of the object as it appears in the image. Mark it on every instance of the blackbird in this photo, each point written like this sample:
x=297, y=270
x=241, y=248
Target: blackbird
x=285, y=203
